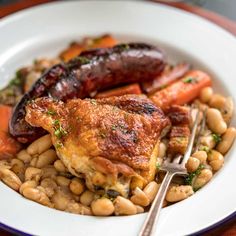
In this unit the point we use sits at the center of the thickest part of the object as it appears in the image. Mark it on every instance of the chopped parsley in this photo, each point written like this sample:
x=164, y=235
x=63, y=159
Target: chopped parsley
x=16, y=81
x=59, y=145
x=217, y=138
x=158, y=165
x=114, y=127
x=82, y=60
x=59, y=131
x=56, y=122
x=51, y=112
x=190, y=80
x=205, y=148
x=191, y=176
x=93, y=101
x=124, y=47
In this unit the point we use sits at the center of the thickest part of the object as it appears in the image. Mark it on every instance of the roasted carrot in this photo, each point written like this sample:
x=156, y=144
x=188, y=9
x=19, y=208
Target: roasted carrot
x=5, y=115
x=104, y=41
x=167, y=77
x=182, y=91
x=8, y=146
x=88, y=43
x=128, y=89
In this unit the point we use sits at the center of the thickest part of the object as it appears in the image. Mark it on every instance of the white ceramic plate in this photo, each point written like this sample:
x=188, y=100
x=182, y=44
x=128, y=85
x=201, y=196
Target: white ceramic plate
x=45, y=30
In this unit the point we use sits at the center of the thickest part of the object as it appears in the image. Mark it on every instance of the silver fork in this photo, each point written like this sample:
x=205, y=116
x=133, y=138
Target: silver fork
x=177, y=166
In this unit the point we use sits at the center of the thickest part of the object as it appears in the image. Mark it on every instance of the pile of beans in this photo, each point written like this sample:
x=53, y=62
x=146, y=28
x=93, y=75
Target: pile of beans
x=37, y=173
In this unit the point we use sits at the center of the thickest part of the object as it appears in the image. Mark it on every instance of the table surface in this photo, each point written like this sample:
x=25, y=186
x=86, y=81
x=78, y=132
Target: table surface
x=229, y=227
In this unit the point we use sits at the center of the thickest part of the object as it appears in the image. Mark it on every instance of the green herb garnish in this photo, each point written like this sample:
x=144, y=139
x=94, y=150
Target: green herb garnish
x=15, y=81
x=204, y=148
x=59, y=145
x=217, y=138
x=124, y=47
x=93, y=101
x=56, y=122
x=190, y=80
x=82, y=60
x=59, y=131
x=51, y=112
x=113, y=127
x=191, y=176
x=158, y=165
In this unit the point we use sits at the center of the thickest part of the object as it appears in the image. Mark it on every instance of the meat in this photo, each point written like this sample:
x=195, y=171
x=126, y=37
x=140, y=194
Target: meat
x=92, y=71
x=179, y=115
x=179, y=135
x=111, y=136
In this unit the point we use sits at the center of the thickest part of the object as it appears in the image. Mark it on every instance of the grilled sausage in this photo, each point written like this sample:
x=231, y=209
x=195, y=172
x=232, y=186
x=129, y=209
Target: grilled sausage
x=92, y=71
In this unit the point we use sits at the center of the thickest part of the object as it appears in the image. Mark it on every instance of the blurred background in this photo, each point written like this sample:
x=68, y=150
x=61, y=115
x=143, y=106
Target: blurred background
x=224, y=7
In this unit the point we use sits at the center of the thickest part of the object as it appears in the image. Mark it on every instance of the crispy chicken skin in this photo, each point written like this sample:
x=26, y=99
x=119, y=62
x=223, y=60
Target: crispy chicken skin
x=110, y=136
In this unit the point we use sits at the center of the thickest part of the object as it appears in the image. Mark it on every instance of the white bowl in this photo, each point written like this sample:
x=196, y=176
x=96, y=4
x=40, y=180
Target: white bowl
x=46, y=29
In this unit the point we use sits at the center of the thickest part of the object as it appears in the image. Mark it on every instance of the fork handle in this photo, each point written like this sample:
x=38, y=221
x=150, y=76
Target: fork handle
x=152, y=217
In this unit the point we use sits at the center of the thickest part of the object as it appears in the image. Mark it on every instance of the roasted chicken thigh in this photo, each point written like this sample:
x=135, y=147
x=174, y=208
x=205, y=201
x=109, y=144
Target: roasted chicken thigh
x=109, y=141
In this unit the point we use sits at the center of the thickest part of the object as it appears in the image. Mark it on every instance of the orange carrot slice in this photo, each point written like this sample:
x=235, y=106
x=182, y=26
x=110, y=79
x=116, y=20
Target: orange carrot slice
x=166, y=78
x=182, y=91
x=129, y=89
x=76, y=48
x=8, y=146
x=5, y=115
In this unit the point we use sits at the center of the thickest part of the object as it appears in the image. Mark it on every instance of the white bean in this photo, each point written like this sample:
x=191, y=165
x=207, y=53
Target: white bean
x=206, y=94
x=201, y=156
x=140, y=198
x=33, y=173
x=28, y=184
x=10, y=178
x=77, y=186
x=46, y=158
x=24, y=156
x=203, y=178
x=49, y=172
x=151, y=190
x=17, y=166
x=217, y=101
x=62, y=181
x=215, y=159
x=227, y=140
x=60, y=200
x=59, y=166
x=139, y=209
x=78, y=208
x=87, y=197
x=40, y=145
x=5, y=164
x=227, y=110
x=34, y=161
x=215, y=121
x=124, y=206
x=178, y=193
x=37, y=195
x=102, y=207
x=192, y=164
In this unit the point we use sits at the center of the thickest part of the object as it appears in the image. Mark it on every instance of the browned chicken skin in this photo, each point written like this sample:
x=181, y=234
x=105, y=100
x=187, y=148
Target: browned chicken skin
x=110, y=136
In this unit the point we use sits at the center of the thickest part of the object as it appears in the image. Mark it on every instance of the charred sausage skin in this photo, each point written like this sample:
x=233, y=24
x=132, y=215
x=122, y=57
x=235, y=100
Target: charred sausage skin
x=92, y=71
